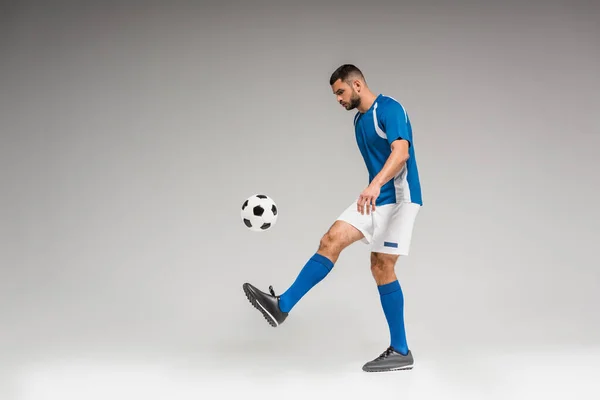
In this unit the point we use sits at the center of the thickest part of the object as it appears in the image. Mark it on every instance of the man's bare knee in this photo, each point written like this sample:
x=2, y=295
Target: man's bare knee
x=331, y=244
x=339, y=236
x=383, y=267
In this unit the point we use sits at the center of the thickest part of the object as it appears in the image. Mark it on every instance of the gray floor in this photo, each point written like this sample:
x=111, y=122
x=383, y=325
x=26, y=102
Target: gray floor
x=258, y=368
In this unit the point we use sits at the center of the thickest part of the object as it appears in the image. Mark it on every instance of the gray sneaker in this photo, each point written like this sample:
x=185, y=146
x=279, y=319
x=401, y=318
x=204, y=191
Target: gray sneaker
x=390, y=360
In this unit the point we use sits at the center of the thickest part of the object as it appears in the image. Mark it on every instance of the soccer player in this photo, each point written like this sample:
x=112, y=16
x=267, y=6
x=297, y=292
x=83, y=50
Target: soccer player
x=382, y=216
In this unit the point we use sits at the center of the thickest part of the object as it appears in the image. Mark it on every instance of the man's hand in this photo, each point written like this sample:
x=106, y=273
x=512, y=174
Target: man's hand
x=366, y=200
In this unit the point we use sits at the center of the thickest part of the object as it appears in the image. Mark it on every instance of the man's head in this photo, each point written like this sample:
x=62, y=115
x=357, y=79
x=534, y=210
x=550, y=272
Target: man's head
x=348, y=85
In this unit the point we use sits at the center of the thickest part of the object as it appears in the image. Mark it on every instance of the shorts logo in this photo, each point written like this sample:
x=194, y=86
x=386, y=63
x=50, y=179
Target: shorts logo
x=390, y=244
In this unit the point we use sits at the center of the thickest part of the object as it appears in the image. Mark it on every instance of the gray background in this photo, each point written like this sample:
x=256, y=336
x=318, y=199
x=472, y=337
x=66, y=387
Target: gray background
x=131, y=133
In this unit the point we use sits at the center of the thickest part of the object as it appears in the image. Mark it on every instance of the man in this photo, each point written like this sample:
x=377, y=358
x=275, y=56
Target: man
x=383, y=215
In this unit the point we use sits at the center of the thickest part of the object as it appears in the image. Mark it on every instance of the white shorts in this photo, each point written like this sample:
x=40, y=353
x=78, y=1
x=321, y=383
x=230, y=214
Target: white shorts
x=388, y=229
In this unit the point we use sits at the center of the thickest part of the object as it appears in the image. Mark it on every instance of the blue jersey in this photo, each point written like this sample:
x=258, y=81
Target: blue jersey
x=376, y=129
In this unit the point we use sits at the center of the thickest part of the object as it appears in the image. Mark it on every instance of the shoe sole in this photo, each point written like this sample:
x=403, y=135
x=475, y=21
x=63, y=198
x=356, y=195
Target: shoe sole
x=259, y=307
x=389, y=369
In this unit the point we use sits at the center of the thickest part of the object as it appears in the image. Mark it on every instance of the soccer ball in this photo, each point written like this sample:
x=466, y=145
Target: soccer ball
x=259, y=213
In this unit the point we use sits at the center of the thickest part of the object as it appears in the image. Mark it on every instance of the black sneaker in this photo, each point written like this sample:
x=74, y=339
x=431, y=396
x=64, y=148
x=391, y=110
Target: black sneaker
x=390, y=360
x=267, y=304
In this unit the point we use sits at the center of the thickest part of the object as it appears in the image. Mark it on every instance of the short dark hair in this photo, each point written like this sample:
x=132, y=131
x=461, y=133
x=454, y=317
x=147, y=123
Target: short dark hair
x=344, y=72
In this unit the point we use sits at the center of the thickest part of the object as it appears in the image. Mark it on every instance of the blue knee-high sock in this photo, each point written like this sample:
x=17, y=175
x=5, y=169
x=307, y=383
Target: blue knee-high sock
x=313, y=272
x=392, y=301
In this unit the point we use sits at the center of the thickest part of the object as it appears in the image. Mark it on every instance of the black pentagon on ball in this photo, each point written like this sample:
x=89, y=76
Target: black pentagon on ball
x=258, y=211
x=248, y=223
x=245, y=205
x=261, y=196
x=266, y=225
x=274, y=209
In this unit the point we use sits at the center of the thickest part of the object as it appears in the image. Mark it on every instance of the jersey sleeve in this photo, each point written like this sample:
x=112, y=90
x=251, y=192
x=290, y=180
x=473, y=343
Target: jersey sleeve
x=394, y=122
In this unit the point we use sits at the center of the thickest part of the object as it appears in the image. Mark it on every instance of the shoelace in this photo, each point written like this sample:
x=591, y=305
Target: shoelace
x=386, y=353
x=272, y=291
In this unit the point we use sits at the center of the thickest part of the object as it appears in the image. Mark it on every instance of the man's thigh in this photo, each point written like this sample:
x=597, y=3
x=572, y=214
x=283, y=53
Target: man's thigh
x=362, y=223
x=344, y=233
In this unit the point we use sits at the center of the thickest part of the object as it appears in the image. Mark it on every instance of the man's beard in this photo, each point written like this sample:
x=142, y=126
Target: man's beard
x=354, y=102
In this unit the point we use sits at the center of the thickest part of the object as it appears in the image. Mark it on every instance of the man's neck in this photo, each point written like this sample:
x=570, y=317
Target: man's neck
x=366, y=102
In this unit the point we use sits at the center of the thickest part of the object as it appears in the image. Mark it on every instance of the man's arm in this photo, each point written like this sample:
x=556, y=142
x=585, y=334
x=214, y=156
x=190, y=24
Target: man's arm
x=390, y=169
x=394, y=122
x=393, y=164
